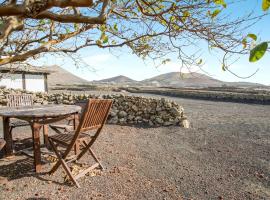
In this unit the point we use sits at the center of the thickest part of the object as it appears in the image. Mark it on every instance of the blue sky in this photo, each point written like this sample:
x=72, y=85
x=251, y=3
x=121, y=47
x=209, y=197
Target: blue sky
x=104, y=64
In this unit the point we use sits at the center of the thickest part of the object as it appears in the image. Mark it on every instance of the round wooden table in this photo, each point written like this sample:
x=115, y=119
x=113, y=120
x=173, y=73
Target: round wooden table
x=37, y=116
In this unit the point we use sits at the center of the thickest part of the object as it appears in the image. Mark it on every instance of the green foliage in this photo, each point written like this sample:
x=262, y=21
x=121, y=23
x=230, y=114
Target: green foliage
x=186, y=14
x=265, y=5
x=220, y=2
x=244, y=42
x=252, y=36
x=67, y=29
x=223, y=67
x=115, y=27
x=258, y=52
x=215, y=13
x=76, y=27
x=104, y=38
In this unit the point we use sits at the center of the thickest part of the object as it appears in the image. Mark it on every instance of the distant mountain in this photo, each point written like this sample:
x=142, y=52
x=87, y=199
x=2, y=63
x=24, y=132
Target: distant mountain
x=117, y=80
x=63, y=77
x=244, y=84
x=177, y=79
x=60, y=76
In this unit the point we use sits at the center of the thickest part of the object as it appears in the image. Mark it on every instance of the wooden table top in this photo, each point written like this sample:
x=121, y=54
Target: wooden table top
x=39, y=111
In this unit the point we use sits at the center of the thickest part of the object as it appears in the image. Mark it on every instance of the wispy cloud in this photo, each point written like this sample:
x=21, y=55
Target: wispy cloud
x=97, y=60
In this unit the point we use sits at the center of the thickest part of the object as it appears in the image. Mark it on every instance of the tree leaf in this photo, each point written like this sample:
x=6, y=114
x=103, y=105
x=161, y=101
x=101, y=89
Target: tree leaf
x=67, y=29
x=244, y=42
x=252, y=36
x=115, y=27
x=42, y=22
x=258, y=52
x=186, y=14
x=105, y=39
x=103, y=28
x=76, y=26
x=223, y=67
x=265, y=5
x=98, y=42
x=215, y=13
x=220, y=2
x=200, y=62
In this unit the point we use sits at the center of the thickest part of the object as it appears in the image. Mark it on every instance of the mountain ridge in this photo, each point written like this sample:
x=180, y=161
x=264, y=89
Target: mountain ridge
x=60, y=76
x=116, y=79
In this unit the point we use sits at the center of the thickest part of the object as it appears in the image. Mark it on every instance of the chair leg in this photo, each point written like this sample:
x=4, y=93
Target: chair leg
x=94, y=156
x=77, y=148
x=58, y=163
x=64, y=164
x=45, y=135
x=10, y=133
x=10, y=130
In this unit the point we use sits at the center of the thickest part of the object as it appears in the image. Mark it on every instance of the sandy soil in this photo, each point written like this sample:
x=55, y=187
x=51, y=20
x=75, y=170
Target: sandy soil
x=224, y=155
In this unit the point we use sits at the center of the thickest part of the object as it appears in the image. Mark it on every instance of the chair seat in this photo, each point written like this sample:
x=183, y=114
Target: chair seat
x=62, y=126
x=65, y=139
x=17, y=123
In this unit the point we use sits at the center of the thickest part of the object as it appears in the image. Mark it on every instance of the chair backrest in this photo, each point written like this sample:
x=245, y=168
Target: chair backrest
x=93, y=117
x=17, y=100
x=95, y=114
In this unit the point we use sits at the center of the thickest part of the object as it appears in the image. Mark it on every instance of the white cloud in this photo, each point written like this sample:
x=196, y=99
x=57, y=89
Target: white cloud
x=97, y=60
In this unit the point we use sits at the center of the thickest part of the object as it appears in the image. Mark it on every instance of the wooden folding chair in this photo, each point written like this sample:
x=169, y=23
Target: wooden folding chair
x=20, y=100
x=93, y=118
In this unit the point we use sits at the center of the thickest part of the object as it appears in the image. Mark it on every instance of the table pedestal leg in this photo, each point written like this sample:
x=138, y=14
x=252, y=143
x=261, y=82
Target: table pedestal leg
x=7, y=137
x=36, y=145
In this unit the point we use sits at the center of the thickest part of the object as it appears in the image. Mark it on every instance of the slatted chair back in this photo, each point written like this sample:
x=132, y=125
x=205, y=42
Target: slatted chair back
x=93, y=117
x=95, y=114
x=17, y=100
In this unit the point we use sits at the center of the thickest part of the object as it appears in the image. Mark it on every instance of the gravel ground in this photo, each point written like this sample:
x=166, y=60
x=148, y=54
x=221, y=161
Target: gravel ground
x=224, y=155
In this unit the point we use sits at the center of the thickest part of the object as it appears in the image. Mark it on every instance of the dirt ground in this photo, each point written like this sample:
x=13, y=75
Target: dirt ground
x=224, y=155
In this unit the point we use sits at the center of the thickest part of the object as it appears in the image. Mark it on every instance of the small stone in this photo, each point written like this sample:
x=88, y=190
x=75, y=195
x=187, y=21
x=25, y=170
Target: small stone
x=185, y=123
x=168, y=123
x=135, y=108
x=113, y=113
x=122, y=114
x=113, y=120
x=159, y=120
x=122, y=120
x=3, y=180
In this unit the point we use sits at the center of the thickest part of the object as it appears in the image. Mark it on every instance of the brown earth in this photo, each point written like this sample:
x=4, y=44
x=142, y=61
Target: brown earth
x=224, y=155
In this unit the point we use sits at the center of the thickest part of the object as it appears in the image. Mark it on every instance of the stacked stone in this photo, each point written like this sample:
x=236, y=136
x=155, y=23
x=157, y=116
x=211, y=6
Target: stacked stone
x=125, y=109
x=137, y=110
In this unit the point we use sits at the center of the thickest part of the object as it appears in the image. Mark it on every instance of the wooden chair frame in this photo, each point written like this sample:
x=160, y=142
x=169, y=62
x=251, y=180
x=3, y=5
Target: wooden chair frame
x=19, y=100
x=93, y=118
x=2, y=143
x=16, y=100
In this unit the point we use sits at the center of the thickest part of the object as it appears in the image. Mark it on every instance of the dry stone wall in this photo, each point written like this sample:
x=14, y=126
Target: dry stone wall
x=125, y=110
